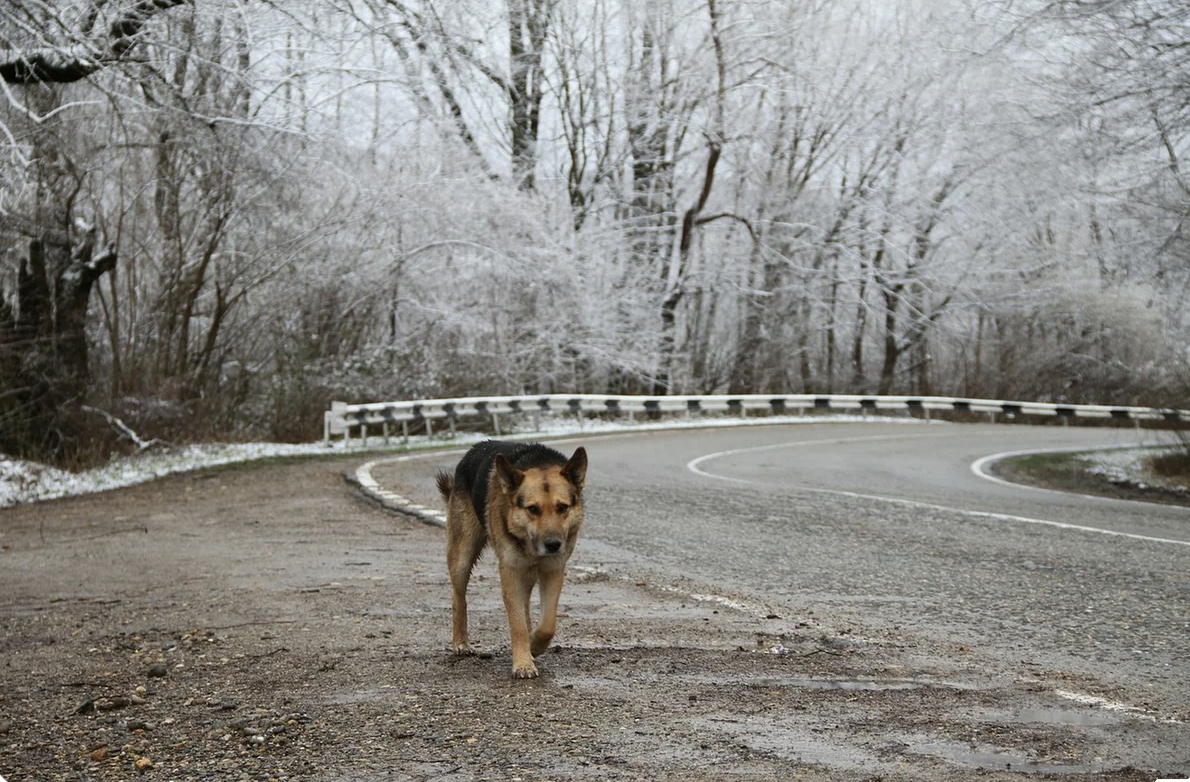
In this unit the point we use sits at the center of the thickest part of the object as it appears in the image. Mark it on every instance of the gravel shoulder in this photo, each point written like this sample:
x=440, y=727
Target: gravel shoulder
x=266, y=623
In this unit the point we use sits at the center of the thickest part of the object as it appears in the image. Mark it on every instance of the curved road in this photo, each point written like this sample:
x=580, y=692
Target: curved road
x=886, y=526
x=819, y=601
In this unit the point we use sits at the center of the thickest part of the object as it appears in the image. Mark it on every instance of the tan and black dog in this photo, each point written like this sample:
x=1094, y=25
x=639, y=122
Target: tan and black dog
x=526, y=500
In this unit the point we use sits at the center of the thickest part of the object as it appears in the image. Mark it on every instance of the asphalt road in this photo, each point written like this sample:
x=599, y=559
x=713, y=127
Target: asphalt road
x=810, y=602
x=889, y=523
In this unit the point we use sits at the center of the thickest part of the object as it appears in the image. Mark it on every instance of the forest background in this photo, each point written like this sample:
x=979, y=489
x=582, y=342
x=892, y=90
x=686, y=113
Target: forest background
x=218, y=215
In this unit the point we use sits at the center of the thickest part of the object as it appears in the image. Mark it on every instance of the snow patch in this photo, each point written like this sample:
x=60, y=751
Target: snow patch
x=23, y=482
x=1129, y=465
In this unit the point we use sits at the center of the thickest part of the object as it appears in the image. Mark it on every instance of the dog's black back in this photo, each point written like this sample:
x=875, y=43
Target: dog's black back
x=475, y=467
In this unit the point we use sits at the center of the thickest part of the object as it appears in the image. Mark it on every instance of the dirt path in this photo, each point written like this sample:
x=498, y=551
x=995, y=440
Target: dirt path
x=265, y=623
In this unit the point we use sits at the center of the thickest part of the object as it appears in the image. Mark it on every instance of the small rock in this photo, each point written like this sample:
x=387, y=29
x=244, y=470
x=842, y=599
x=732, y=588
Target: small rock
x=158, y=671
x=99, y=754
x=5, y=727
x=256, y=741
x=143, y=764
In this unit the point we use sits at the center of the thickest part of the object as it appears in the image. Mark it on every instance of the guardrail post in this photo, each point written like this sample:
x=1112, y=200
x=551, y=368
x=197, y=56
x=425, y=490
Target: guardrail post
x=333, y=423
x=429, y=428
x=405, y=432
x=450, y=419
x=496, y=424
x=384, y=430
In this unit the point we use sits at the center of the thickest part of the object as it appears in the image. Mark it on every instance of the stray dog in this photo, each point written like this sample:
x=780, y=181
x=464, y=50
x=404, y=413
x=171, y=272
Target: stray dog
x=527, y=501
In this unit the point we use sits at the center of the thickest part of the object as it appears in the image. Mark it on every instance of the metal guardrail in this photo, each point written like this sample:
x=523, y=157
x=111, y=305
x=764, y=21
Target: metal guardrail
x=342, y=417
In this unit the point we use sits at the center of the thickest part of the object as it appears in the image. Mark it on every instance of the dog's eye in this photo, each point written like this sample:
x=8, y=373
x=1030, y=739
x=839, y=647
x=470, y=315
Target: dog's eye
x=534, y=510
x=563, y=507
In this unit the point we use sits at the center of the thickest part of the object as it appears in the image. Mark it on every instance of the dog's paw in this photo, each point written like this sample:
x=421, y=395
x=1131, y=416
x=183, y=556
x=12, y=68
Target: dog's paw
x=462, y=650
x=524, y=671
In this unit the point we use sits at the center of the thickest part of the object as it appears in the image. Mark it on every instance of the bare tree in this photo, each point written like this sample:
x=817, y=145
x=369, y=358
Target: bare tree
x=43, y=344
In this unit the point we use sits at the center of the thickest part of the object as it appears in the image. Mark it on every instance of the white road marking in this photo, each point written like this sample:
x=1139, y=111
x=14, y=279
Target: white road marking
x=695, y=466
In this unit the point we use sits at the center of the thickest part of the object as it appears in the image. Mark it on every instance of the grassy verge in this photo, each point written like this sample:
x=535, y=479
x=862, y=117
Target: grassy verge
x=1074, y=472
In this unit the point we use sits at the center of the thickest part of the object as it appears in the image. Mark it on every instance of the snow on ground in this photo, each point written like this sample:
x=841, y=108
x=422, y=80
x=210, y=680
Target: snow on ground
x=29, y=482
x=22, y=482
x=1129, y=465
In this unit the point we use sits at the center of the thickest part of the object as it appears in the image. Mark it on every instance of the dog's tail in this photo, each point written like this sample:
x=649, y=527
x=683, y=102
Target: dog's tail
x=446, y=484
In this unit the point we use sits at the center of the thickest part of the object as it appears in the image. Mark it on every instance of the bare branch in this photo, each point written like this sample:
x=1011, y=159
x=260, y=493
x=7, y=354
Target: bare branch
x=59, y=65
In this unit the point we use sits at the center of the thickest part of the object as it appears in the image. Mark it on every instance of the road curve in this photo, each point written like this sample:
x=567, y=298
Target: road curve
x=933, y=468
x=891, y=515
x=883, y=531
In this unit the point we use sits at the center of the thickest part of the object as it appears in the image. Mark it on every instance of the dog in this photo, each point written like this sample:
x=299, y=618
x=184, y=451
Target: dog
x=526, y=500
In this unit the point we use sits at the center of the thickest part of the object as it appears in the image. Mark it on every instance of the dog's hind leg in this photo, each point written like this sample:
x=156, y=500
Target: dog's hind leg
x=464, y=544
x=550, y=589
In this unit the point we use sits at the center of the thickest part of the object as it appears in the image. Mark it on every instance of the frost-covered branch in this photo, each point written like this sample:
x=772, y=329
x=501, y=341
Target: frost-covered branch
x=69, y=63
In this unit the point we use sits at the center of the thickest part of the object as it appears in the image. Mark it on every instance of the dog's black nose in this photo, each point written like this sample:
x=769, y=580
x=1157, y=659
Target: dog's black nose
x=553, y=545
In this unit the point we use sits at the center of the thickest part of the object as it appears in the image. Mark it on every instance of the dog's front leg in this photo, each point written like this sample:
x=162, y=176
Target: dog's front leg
x=550, y=589
x=515, y=586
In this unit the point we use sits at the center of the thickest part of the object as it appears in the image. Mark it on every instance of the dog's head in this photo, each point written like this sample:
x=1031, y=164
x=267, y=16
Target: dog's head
x=545, y=503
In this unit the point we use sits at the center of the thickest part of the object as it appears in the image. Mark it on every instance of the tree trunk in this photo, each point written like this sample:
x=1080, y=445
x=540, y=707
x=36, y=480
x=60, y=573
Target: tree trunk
x=528, y=24
x=43, y=349
x=892, y=348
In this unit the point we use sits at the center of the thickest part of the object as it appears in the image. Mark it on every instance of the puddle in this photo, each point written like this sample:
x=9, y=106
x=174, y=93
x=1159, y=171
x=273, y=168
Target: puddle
x=840, y=598
x=854, y=684
x=1054, y=716
x=582, y=682
x=997, y=760
x=794, y=742
x=846, y=683
x=355, y=697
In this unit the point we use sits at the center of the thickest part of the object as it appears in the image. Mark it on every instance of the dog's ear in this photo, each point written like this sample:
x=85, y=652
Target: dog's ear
x=576, y=469
x=509, y=476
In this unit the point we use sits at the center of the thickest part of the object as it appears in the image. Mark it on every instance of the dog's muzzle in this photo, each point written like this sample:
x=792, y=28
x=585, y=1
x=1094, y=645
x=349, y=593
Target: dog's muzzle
x=548, y=547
